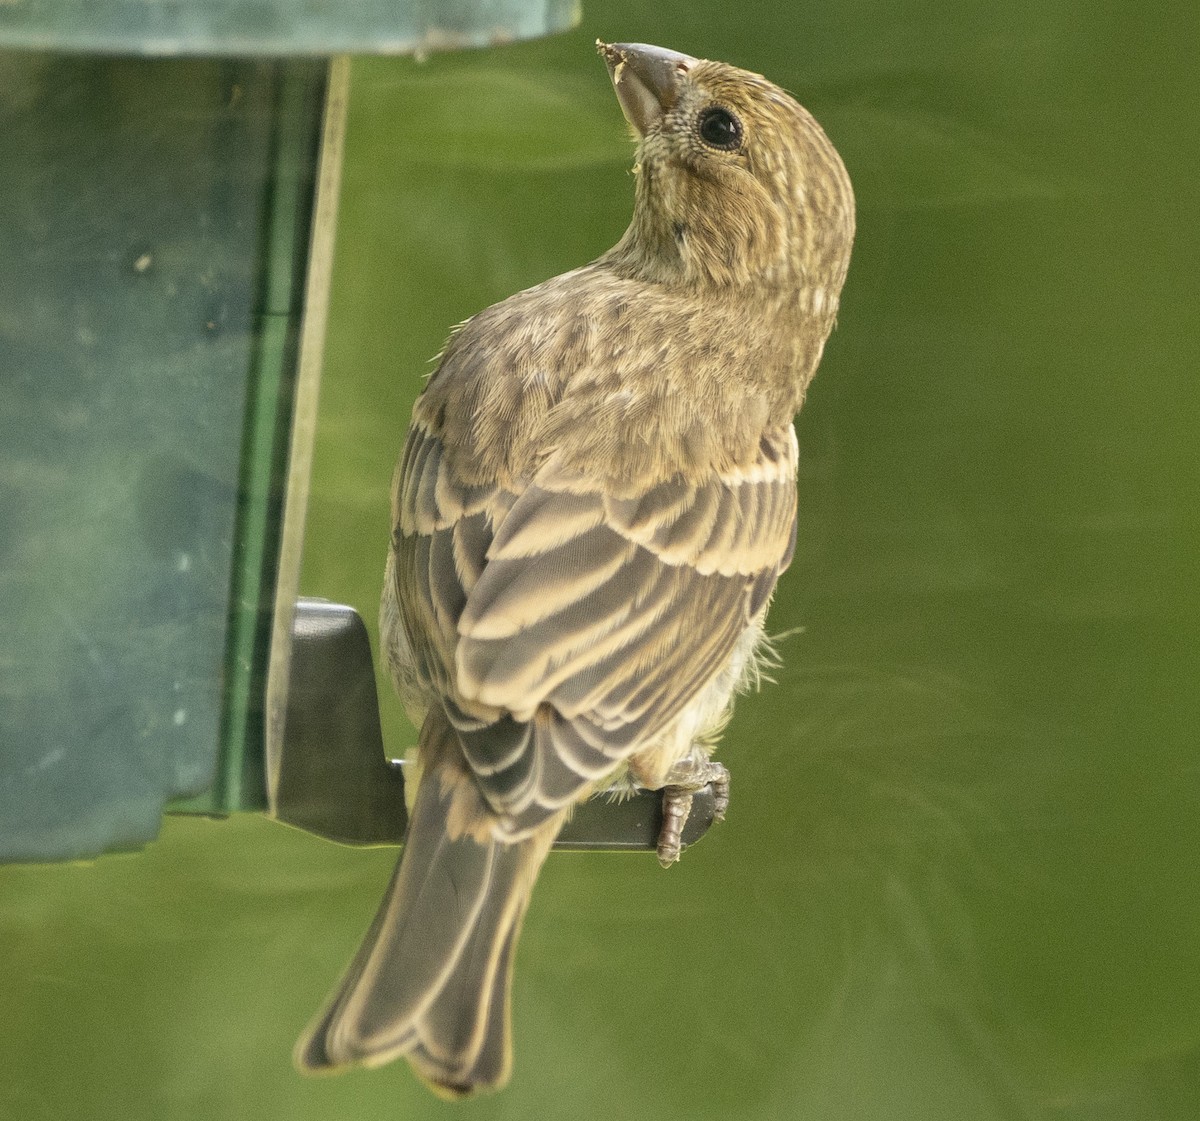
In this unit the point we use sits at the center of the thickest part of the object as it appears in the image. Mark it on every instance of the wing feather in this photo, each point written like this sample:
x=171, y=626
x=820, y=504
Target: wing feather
x=511, y=595
x=527, y=532
x=563, y=627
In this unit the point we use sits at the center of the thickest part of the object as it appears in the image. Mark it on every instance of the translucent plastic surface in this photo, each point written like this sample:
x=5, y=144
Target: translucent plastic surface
x=277, y=27
x=139, y=342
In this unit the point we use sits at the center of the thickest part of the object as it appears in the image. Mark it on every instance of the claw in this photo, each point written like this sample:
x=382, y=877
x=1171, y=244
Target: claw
x=677, y=804
x=693, y=772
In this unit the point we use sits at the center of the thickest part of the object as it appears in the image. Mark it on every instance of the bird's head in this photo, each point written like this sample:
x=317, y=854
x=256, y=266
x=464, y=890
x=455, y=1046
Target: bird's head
x=736, y=182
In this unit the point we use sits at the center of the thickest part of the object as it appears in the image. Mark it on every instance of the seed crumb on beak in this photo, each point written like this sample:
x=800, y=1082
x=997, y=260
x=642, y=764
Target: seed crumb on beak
x=646, y=80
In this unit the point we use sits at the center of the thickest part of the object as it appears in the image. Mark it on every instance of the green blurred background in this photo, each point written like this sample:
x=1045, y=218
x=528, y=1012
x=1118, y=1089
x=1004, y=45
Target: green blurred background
x=958, y=879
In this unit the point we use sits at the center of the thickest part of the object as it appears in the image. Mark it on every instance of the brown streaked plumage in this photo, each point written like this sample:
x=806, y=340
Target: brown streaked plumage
x=594, y=503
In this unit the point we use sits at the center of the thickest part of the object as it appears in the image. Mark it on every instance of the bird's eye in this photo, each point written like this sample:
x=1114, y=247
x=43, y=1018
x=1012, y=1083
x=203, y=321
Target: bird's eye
x=719, y=128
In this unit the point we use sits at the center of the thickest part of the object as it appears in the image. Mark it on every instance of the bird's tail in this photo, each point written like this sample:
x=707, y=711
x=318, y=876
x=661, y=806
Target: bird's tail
x=431, y=980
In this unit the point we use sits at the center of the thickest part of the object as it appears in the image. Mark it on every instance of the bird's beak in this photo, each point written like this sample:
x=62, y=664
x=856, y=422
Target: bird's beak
x=646, y=79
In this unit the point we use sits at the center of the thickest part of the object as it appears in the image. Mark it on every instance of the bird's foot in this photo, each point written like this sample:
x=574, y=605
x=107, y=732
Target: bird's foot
x=693, y=772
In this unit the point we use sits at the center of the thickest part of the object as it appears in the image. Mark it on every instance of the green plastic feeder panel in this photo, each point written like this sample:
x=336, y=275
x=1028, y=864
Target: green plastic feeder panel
x=154, y=233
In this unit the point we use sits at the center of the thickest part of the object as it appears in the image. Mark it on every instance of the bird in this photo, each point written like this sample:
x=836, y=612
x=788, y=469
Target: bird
x=594, y=502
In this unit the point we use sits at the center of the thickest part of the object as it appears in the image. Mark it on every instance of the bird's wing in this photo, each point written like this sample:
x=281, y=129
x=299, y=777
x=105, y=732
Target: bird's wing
x=564, y=627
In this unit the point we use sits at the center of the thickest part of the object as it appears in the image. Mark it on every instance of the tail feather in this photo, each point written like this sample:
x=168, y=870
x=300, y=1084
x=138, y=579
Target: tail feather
x=464, y=1036
x=432, y=978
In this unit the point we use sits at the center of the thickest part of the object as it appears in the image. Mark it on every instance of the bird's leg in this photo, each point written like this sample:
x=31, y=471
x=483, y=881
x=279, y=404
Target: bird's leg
x=693, y=772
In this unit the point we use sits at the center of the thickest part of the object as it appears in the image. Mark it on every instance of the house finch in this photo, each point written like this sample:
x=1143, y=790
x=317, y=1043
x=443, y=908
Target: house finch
x=595, y=500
